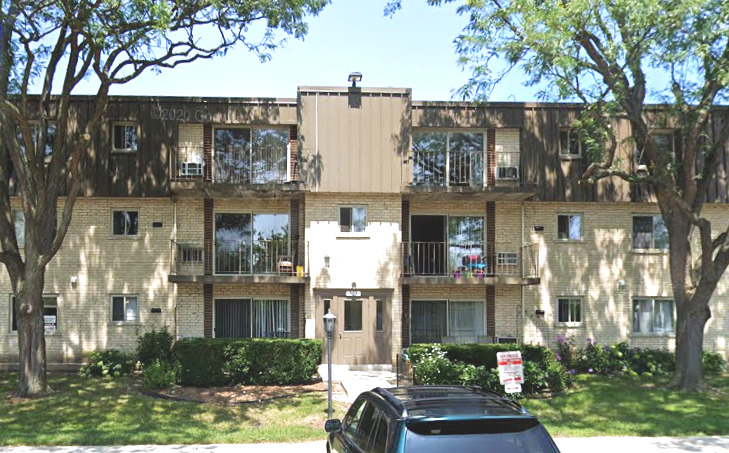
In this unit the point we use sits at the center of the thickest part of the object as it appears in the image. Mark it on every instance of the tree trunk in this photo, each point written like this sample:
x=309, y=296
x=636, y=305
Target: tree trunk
x=691, y=320
x=31, y=335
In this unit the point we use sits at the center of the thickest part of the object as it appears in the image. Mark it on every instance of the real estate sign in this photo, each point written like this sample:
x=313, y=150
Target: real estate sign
x=511, y=370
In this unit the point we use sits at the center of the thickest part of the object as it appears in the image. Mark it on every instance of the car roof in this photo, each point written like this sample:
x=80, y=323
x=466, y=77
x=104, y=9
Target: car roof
x=449, y=402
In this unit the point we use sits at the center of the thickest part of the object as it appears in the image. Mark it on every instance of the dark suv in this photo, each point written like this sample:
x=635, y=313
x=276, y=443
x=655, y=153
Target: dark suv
x=437, y=419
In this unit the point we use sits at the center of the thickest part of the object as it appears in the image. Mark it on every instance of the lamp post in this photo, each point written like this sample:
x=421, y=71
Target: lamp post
x=329, y=320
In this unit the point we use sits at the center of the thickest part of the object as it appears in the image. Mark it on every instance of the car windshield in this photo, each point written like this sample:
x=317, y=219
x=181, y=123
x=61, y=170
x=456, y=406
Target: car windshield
x=503, y=435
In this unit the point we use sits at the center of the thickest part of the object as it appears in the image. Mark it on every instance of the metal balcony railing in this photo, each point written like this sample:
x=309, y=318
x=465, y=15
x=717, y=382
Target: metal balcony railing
x=240, y=165
x=469, y=259
x=263, y=257
x=458, y=168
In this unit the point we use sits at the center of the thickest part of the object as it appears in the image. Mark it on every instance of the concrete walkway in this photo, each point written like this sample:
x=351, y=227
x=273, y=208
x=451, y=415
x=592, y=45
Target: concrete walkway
x=360, y=379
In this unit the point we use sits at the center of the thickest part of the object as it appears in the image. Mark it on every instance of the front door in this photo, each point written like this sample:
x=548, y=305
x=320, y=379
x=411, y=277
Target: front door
x=363, y=329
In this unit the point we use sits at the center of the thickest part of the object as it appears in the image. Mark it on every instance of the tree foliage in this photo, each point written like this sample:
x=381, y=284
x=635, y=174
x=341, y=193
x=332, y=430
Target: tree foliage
x=47, y=48
x=614, y=57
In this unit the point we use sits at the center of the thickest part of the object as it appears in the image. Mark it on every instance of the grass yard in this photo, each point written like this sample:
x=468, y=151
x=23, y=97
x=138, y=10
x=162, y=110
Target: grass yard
x=625, y=406
x=105, y=412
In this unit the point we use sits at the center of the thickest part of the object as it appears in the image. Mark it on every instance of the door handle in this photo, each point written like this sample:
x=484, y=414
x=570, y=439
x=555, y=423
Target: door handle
x=340, y=335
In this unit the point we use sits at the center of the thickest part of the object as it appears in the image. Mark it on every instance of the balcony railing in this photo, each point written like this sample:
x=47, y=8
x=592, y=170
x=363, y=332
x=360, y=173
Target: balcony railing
x=238, y=165
x=469, y=259
x=263, y=257
x=457, y=168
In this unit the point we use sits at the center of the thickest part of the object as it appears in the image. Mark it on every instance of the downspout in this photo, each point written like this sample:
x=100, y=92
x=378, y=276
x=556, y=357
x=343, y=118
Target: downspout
x=522, y=271
x=174, y=238
x=316, y=140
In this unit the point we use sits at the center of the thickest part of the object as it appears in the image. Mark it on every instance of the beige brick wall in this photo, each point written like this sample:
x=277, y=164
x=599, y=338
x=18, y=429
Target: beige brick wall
x=104, y=265
x=594, y=269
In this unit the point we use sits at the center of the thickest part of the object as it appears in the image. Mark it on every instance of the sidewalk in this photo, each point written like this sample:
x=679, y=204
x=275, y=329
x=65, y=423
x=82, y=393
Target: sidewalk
x=714, y=444
x=358, y=381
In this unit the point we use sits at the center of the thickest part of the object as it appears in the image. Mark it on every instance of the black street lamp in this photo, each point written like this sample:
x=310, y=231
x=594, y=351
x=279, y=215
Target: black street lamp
x=329, y=321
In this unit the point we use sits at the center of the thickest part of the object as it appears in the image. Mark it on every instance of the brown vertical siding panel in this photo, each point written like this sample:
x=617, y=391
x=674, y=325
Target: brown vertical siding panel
x=405, y=228
x=491, y=236
x=491, y=311
x=294, y=154
x=208, y=207
x=295, y=226
x=490, y=157
x=208, y=310
x=405, y=316
x=208, y=151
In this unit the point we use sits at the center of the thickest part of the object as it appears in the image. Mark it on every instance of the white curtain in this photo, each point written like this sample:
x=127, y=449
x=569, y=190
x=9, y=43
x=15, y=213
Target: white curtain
x=466, y=321
x=271, y=318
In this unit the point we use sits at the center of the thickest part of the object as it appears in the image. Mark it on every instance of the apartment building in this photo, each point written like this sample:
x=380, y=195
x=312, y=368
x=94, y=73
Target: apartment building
x=410, y=221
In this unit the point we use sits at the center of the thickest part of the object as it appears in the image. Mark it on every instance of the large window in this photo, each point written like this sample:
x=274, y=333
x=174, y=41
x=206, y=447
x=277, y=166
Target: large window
x=664, y=143
x=569, y=310
x=124, y=137
x=245, y=318
x=448, y=158
x=252, y=242
x=125, y=223
x=650, y=232
x=436, y=321
x=251, y=155
x=352, y=219
x=570, y=145
x=653, y=316
x=50, y=314
x=124, y=308
x=569, y=227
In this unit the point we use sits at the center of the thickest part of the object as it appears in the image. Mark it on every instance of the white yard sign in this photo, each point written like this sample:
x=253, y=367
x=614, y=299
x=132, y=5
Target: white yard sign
x=511, y=370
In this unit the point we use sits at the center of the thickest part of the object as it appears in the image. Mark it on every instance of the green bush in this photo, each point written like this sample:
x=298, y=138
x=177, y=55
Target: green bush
x=111, y=363
x=434, y=368
x=201, y=361
x=155, y=345
x=158, y=375
x=713, y=363
x=258, y=361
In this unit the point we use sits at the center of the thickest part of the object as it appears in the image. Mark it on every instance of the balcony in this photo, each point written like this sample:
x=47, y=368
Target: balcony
x=455, y=168
x=471, y=263
x=274, y=261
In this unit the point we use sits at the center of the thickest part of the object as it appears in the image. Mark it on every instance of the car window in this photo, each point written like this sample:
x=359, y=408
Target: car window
x=379, y=435
x=351, y=420
x=365, y=426
x=510, y=435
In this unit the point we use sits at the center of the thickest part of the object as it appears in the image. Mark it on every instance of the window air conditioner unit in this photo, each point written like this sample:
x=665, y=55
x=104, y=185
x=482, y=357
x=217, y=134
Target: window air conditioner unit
x=191, y=169
x=507, y=172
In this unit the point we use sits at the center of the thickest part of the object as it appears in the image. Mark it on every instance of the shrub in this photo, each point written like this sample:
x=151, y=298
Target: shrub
x=566, y=351
x=434, y=368
x=713, y=363
x=111, y=363
x=486, y=378
x=158, y=375
x=201, y=361
x=155, y=345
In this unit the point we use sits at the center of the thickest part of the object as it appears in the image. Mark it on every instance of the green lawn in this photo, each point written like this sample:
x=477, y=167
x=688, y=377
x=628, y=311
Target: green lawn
x=104, y=412
x=624, y=406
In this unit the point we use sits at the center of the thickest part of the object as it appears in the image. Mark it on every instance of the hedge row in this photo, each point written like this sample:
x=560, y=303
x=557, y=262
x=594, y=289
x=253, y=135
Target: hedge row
x=258, y=361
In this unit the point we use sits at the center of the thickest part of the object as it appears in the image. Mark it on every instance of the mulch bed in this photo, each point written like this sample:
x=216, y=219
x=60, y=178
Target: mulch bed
x=245, y=394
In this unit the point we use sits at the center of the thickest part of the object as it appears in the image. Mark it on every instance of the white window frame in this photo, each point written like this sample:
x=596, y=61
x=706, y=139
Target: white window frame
x=351, y=218
x=507, y=258
x=126, y=298
x=569, y=216
x=571, y=302
x=253, y=300
x=124, y=125
x=580, y=146
x=652, y=247
x=46, y=298
x=125, y=234
x=653, y=301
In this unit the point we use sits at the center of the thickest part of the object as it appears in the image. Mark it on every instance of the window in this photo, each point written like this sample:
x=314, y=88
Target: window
x=352, y=219
x=653, y=316
x=251, y=156
x=125, y=223
x=380, y=315
x=251, y=242
x=569, y=143
x=432, y=320
x=124, y=308
x=50, y=314
x=353, y=315
x=448, y=158
x=569, y=227
x=569, y=310
x=507, y=259
x=19, y=222
x=664, y=143
x=650, y=232
x=124, y=137
x=245, y=318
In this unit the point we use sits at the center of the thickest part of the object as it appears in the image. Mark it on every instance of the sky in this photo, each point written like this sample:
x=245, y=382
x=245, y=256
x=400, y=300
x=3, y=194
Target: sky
x=413, y=49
